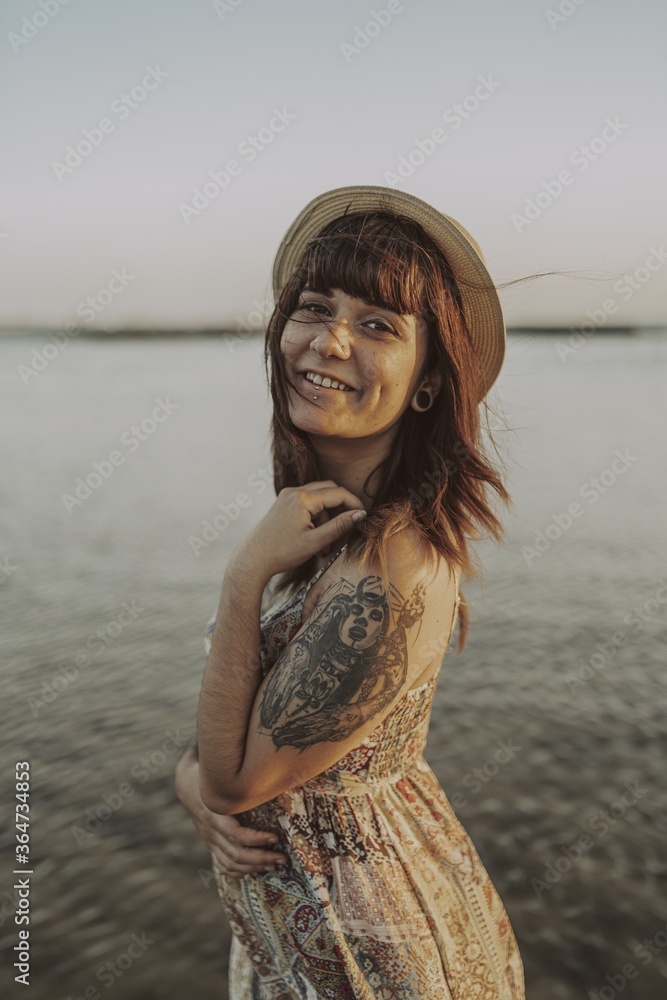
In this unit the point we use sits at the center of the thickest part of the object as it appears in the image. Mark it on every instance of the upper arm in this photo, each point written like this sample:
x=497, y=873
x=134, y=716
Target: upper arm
x=366, y=641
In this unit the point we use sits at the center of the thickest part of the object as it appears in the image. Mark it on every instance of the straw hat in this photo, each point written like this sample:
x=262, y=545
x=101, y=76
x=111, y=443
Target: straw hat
x=481, y=305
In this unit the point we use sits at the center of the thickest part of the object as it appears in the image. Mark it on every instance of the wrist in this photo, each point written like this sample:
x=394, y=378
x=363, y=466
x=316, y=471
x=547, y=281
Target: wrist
x=247, y=568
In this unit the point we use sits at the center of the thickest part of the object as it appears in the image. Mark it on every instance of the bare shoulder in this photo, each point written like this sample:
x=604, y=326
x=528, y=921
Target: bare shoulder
x=415, y=591
x=410, y=560
x=411, y=556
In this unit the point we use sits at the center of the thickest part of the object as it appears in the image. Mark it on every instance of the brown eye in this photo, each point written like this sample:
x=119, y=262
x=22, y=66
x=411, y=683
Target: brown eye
x=312, y=307
x=382, y=324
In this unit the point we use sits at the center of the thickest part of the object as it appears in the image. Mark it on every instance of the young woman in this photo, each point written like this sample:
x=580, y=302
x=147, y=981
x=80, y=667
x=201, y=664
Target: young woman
x=315, y=708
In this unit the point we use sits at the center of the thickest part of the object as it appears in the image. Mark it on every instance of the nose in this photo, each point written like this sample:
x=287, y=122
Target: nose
x=332, y=339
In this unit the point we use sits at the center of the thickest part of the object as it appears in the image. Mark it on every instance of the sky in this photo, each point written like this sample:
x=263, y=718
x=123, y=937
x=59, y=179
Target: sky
x=537, y=124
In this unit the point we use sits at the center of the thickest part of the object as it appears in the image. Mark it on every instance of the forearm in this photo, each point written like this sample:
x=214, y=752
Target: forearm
x=232, y=676
x=189, y=756
x=183, y=772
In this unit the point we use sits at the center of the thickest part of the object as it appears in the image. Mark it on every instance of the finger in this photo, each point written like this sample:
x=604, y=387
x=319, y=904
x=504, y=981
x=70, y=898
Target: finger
x=328, y=534
x=318, y=484
x=246, y=836
x=237, y=855
x=331, y=496
x=236, y=851
x=236, y=871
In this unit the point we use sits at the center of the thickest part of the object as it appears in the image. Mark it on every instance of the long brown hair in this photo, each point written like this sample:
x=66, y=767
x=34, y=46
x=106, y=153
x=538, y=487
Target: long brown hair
x=438, y=477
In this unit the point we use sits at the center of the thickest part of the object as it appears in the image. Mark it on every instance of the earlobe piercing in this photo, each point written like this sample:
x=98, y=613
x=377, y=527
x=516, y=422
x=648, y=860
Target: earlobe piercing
x=423, y=400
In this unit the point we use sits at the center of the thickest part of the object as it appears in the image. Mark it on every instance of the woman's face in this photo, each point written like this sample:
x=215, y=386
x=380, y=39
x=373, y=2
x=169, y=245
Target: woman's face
x=377, y=353
x=362, y=626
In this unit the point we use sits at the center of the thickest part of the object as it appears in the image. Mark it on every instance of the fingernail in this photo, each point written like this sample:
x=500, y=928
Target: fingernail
x=358, y=514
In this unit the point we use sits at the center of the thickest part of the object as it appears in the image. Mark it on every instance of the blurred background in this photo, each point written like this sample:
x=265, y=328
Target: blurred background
x=154, y=155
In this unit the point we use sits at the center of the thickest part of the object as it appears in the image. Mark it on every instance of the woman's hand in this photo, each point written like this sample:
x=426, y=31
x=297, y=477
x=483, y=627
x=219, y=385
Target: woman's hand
x=300, y=524
x=235, y=850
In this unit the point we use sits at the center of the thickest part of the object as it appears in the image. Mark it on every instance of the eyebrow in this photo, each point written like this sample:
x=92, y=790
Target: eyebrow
x=368, y=302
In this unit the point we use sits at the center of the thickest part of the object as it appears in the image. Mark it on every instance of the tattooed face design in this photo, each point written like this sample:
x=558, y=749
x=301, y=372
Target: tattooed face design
x=366, y=617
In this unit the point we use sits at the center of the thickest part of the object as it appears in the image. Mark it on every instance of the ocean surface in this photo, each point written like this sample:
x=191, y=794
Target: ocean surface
x=105, y=596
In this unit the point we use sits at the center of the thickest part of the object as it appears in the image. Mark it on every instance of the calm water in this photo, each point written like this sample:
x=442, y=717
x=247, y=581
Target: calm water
x=586, y=723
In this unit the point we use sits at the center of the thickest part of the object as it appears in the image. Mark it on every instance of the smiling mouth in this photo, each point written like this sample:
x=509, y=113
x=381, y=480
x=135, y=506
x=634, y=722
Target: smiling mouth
x=324, y=388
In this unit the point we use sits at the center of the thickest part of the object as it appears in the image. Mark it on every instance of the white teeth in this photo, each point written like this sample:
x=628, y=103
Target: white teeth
x=327, y=382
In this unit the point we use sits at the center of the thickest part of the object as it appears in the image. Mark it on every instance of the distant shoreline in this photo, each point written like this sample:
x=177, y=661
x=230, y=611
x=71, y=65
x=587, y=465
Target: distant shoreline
x=127, y=333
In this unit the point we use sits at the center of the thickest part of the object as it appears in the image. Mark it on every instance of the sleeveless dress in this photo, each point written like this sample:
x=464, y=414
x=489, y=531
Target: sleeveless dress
x=384, y=896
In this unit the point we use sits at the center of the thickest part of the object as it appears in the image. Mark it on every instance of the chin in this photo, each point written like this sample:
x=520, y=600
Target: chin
x=316, y=425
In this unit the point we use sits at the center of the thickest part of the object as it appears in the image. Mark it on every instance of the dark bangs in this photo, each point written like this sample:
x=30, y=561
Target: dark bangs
x=375, y=256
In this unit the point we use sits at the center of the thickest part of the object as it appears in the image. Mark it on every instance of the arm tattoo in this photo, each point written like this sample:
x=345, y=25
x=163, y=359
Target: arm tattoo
x=344, y=667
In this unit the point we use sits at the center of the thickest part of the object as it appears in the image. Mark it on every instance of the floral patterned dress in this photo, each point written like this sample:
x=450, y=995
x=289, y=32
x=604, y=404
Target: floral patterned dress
x=385, y=896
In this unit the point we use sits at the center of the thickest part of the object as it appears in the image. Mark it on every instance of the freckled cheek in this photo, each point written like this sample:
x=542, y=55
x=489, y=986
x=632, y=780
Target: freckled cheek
x=384, y=393
x=289, y=341
x=391, y=379
x=377, y=386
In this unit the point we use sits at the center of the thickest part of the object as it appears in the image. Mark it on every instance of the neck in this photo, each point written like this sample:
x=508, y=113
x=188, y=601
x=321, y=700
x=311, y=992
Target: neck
x=349, y=462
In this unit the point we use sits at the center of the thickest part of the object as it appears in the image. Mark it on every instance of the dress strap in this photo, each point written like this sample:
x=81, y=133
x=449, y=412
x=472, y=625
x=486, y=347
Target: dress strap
x=334, y=557
x=321, y=570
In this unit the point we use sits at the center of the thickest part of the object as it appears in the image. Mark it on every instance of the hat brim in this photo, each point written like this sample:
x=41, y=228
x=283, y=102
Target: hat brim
x=481, y=306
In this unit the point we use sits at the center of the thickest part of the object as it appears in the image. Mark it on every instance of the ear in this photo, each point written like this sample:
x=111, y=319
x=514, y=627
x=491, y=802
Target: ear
x=434, y=381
